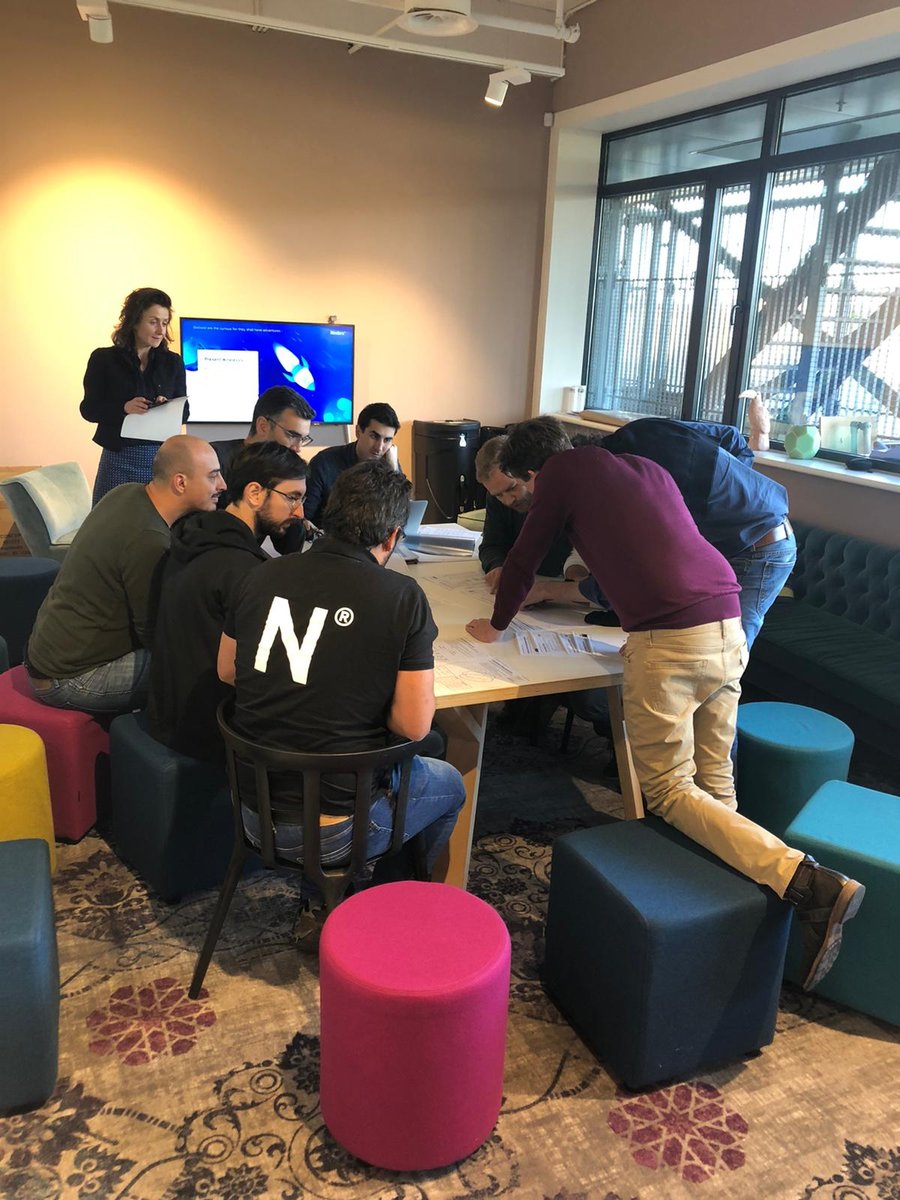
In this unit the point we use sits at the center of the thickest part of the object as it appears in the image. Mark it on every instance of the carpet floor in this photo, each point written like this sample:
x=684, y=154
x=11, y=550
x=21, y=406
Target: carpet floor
x=163, y=1098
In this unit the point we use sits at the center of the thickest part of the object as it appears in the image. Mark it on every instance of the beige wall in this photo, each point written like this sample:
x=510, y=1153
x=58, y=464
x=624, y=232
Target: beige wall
x=262, y=176
x=628, y=43
x=847, y=507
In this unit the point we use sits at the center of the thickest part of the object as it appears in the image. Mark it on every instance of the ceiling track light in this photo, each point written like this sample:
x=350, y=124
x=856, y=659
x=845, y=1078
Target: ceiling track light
x=499, y=81
x=96, y=13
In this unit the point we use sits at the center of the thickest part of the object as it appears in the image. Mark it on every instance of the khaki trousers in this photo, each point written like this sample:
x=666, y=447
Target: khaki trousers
x=680, y=693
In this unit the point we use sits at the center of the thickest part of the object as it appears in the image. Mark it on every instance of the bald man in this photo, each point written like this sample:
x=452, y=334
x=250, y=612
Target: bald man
x=90, y=646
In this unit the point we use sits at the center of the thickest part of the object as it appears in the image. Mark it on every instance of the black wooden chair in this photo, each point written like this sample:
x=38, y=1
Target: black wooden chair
x=332, y=881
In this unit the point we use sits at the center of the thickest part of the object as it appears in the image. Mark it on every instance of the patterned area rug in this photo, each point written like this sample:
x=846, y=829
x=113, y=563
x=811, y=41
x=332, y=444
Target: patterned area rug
x=164, y=1098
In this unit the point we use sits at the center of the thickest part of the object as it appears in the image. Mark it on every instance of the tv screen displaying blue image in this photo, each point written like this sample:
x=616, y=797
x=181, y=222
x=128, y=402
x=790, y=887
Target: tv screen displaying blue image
x=229, y=363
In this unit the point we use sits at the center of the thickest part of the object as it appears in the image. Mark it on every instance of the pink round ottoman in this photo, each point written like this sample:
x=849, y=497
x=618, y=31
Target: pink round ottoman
x=415, y=989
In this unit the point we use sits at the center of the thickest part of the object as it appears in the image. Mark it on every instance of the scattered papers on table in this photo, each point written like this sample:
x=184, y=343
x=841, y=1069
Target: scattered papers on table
x=459, y=663
x=460, y=585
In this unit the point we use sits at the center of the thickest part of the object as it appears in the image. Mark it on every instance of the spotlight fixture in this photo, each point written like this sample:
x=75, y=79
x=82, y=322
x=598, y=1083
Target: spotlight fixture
x=96, y=13
x=499, y=81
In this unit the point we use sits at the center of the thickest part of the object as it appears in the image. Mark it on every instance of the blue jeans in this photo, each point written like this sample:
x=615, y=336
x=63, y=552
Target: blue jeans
x=119, y=686
x=436, y=794
x=762, y=574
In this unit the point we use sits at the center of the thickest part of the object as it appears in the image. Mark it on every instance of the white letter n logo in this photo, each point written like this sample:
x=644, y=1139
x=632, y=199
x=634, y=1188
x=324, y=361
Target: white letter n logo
x=299, y=654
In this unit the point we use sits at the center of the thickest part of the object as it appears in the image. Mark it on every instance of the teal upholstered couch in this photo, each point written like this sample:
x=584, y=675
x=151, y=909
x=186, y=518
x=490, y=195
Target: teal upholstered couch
x=836, y=644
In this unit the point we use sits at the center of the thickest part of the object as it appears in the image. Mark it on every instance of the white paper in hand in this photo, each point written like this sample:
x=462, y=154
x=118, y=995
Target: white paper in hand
x=156, y=424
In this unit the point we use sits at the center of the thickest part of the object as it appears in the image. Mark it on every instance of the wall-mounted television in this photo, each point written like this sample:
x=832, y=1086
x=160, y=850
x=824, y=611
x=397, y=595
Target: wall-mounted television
x=229, y=363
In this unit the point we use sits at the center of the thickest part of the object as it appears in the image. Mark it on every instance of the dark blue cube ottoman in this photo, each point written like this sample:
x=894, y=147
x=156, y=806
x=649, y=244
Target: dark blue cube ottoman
x=24, y=582
x=171, y=815
x=856, y=830
x=29, y=977
x=667, y=961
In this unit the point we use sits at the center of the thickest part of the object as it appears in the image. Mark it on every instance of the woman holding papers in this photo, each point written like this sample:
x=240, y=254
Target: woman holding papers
x=132, y=376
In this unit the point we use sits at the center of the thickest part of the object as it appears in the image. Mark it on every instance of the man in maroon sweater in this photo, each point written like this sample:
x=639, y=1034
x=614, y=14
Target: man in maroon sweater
x=677, y=599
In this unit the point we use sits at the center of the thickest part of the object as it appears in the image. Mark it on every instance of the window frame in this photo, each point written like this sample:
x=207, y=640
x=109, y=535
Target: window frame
x=757, y=174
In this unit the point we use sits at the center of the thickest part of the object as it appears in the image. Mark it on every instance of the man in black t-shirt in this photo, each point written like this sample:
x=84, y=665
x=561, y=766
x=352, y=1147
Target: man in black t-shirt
x=330, y=652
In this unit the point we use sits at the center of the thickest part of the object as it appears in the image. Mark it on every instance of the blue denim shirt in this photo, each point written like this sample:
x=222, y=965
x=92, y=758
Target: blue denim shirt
x=733, y=505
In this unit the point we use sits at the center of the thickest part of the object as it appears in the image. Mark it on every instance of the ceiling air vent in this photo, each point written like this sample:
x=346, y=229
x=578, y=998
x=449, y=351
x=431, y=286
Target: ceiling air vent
x=450, y=20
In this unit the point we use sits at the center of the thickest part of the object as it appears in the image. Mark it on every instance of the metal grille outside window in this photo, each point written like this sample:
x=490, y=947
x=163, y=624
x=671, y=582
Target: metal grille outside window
x=643, y=299
x=827, y=332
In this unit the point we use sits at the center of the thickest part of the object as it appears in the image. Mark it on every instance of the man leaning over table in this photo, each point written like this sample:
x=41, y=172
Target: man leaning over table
x=677, y=599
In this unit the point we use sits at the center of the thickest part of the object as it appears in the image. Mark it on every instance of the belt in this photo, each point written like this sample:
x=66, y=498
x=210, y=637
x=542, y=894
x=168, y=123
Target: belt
x=778, y=534
x=40, y=683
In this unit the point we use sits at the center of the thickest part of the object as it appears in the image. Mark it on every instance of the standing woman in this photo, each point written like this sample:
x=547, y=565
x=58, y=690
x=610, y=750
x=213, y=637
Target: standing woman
x=132, y=375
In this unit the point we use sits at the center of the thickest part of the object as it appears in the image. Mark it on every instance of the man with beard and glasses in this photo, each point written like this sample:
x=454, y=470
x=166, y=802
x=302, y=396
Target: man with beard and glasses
x=211, y=554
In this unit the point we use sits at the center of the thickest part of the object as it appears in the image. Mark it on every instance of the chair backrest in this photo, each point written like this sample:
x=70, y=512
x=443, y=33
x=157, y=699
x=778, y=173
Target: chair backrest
x=309, y=768
x=48, y=505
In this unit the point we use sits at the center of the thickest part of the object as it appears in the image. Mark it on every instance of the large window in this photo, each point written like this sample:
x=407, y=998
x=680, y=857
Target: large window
x=756, y=246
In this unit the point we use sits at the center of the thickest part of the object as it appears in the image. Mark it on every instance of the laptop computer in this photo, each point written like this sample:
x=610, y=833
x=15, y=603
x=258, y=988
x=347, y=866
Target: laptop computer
x=414, y=520
x=413, y=523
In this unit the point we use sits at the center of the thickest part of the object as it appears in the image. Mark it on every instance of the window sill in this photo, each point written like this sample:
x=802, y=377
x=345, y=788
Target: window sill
x=600, y=421
x=824, y=468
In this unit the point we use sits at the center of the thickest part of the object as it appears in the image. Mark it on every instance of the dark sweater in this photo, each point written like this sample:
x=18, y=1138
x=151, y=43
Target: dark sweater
x=211, y=554
x=323, y=471
x=628, y=521
x=502, y=525
x=114, y=376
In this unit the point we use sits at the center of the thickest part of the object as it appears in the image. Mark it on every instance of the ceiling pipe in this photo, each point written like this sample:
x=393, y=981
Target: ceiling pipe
x=559, y=30
x=353, y=38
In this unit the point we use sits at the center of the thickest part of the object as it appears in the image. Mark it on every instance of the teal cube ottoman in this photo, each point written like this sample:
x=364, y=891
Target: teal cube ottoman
x=29, y=977
x=857, y=831
x=784, y=753
x=666, y=960
x=172, y=817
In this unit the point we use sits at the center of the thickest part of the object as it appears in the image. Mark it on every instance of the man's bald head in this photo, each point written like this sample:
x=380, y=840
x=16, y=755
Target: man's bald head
x=178, y=456
x=186, y=477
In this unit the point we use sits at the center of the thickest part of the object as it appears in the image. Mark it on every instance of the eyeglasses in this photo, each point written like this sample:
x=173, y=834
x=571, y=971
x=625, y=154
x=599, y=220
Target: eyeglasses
x=296, y=439
x=292, y=498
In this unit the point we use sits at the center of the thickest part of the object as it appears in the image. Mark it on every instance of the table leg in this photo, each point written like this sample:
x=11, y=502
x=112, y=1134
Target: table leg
x=464, y=728
x=628, y=780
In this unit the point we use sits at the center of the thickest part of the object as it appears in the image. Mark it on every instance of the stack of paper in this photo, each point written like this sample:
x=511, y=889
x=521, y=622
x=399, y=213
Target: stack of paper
x=443, y=541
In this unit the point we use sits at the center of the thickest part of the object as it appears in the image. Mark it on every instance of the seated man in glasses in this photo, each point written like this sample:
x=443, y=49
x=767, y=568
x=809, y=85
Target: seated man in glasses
x=329, y=652
x=210, y=555
x=281, y=415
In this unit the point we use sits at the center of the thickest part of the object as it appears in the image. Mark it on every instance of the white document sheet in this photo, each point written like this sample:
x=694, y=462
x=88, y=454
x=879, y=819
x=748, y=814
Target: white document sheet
x=156, y=424
x=545, y=641
x=460, y=663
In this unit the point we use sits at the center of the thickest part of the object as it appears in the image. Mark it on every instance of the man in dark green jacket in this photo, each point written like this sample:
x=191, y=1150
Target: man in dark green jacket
x=89, y=648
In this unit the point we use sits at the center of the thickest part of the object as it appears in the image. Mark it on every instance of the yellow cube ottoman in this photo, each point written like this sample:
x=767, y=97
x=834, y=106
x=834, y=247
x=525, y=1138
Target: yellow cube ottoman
x=24, y=789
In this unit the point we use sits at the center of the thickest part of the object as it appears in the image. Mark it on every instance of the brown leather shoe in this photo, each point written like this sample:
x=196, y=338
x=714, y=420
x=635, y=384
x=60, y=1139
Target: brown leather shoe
x=824, y=900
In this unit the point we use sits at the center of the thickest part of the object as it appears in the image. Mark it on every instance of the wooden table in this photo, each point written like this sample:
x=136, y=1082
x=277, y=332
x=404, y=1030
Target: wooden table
x=464, y=687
